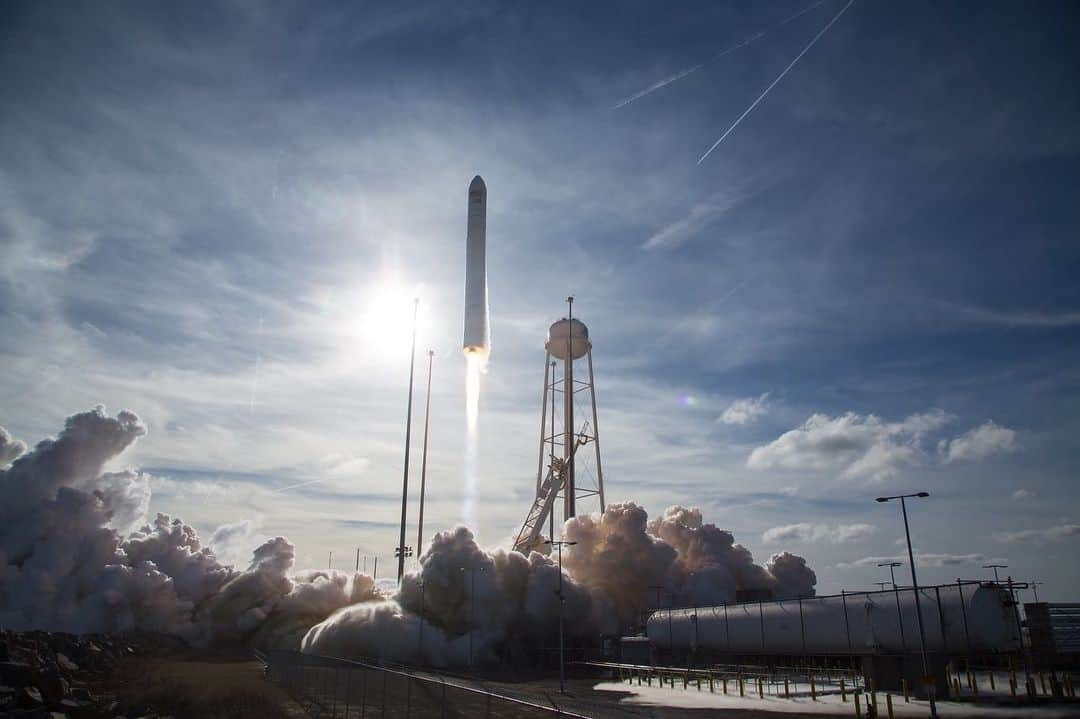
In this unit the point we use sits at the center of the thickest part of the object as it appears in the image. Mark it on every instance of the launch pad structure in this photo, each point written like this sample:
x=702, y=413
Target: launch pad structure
x=567, y=342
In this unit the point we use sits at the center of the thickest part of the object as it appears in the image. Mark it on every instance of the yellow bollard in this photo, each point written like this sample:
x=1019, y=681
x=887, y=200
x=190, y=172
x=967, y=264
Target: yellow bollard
x=871, y=708
x=787, y=692
x=699, y=683
x=712, y=689
x=1012, y=680
x=858, y=710
x=649, y=678
x=760, y=688
x=813, y=689
x=975, y=690
x=903, y=685
x=723, y=682
x=686, y=680
x=742, y=686
x=843, y=691
x=888, y=705
x=971, y=679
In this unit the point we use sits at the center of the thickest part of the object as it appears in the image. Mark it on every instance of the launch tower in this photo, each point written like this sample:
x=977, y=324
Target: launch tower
x=567, y=343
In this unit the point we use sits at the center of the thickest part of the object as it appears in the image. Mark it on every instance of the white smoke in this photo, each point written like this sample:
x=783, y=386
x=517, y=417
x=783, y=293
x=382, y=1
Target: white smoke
x=68, y=563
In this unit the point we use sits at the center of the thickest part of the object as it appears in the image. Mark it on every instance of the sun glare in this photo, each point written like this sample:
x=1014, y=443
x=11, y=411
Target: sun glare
x=384, y=320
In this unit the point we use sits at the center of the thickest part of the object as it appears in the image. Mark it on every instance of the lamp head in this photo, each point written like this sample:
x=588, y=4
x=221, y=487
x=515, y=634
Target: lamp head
x=923, y=494
x=882, y=499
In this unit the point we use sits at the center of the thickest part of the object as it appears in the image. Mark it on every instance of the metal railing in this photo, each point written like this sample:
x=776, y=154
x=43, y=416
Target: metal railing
x=346, y=689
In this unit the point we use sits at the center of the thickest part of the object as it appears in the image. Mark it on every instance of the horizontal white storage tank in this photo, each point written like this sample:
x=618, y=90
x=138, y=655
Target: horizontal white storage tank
x=970, y=617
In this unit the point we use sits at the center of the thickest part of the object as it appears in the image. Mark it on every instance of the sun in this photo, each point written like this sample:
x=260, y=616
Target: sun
x=384, y=321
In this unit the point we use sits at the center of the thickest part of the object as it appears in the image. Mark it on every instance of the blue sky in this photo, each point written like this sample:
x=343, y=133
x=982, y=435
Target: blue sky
x=214, y=215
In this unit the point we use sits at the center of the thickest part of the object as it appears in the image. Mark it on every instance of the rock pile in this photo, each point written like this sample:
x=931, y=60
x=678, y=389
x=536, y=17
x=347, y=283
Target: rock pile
x=55, y=675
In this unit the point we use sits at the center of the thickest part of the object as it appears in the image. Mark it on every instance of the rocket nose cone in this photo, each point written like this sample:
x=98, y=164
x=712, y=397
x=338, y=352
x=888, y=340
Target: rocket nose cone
x=477, y=184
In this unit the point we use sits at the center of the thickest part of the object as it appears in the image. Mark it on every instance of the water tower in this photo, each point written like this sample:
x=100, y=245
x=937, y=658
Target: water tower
x=567, y=343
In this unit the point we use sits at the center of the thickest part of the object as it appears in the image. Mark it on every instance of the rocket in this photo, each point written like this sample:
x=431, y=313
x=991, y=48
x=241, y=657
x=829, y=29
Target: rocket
x=477, y=338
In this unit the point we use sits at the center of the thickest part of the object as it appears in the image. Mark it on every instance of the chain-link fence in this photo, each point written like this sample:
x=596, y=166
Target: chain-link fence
x=331, y=687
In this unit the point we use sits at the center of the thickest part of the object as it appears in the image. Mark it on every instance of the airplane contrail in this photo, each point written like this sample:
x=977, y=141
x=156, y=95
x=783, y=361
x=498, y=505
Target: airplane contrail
x=776, y=81
x=690, y=70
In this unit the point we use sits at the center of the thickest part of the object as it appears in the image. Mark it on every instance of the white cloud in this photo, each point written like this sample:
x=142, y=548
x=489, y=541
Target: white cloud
x=1058, y=533
x=1022, y=494
x=806, y=533
x=745, y=410
x=979, y=443
x=859, y=446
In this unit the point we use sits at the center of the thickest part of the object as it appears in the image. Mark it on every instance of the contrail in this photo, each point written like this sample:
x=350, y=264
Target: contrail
x=777, y=80
x=690, y=70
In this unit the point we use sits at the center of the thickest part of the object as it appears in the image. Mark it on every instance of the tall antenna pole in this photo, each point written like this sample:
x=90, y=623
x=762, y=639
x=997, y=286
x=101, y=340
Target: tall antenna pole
x=408, y=436
x=570, y=509
x=330, y=560
x=423, y=462
x=358, y=560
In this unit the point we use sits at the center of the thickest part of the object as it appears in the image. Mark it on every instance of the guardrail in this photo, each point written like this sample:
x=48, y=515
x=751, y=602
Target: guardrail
x=333, y=687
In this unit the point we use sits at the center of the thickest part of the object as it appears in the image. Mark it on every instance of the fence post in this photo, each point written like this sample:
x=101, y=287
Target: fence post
x=843, y=691
x=888, y=705
x=348, y=687
x=858, y=710
x=363, y=693
x=904, y=687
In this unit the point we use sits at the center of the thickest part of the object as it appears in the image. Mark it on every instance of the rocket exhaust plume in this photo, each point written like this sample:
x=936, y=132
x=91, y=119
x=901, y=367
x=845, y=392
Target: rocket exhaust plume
x=477, y=333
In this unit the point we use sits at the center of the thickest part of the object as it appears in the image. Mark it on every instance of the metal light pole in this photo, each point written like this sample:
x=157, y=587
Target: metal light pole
x=562, y=600
x=927, y=678
x=330, y=560
x=1035, y=588
x=408, y=436
x=995, y=567
x=423, y=462
x=896, y=591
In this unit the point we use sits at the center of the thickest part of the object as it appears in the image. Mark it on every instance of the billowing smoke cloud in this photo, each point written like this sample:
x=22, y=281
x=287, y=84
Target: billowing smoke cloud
x=66, y=564
x=9, y=448
x=70, y=561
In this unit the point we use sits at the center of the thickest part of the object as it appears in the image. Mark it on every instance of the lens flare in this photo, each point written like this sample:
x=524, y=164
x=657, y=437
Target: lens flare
x=475, y=365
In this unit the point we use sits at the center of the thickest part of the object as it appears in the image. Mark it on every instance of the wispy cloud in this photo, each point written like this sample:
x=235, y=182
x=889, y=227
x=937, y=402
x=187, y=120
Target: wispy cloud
x=807, y=533
x=1057, y=533
x=701, y=216
x=924, y=559
x=746, y=410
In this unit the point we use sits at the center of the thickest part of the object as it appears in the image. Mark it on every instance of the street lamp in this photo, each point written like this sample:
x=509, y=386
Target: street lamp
x=995, y=567
x=1035, y=588
x=562, y=666
x=896, y=592
x=927, y=678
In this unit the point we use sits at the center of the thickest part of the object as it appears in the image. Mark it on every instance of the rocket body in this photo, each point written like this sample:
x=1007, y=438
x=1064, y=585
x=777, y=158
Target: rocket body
x=477, y=339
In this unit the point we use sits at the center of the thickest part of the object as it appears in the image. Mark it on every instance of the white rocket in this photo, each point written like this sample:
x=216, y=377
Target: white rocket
x=477, y=338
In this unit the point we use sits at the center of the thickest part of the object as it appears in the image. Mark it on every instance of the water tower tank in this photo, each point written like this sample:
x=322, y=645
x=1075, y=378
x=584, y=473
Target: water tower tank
x=579, y=339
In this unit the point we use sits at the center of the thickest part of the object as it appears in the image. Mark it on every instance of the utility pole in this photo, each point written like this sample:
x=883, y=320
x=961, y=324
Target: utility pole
x=562, y=600
x=408, y=436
